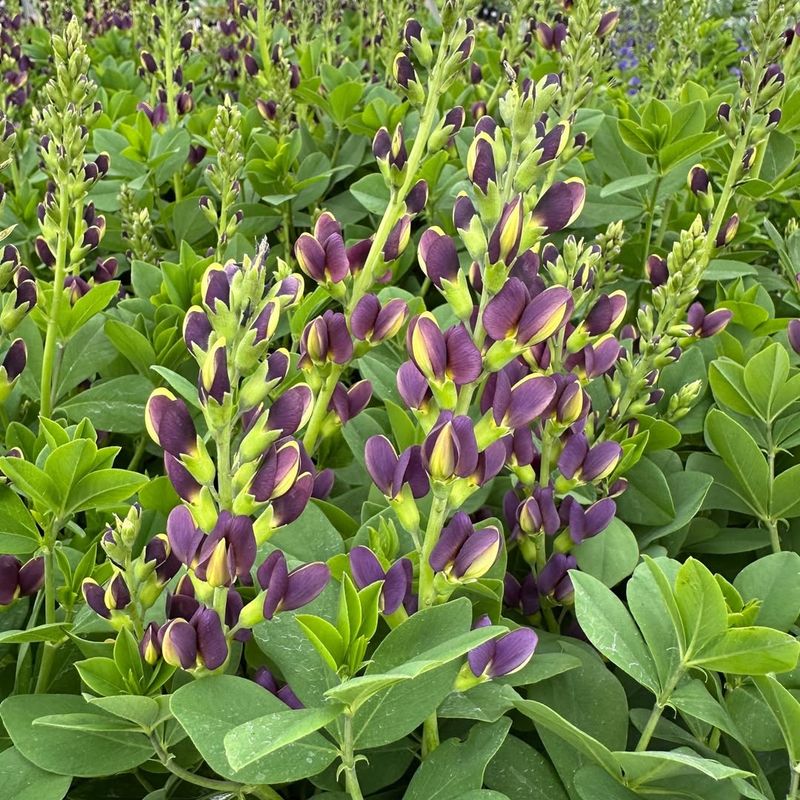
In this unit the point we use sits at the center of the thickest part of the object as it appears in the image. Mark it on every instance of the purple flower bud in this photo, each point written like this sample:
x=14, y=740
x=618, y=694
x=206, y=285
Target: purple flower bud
x=441, y=356
x=391, y=472
x=326, y=338
x=450, y=450
x=480, y=162
x=657, y=270
x=793, y=334
x=705, y=324
x=518, y=405
x=503, y=655
x=398, y=239
x=15, y=359
x=212, y=648
x=214, y=380
x=475, y=73
x=9, y=579
x=183, y=535
x=587, y=464
x=437, y=256
x=366, y=569
x=31, y=576
x=286, y=590
x=323, y=256
x=178, y=642
x=372, y=322
x=585, y=523
x=505, y=238
x=728, y=231
x=698, y=179
x=169, y=423
x=149, y=647
x=349, y=403
x=413, y=387
x=463, y=552
x=93, y=594
x=560, y=205
x=608, y=22
x=44, y=252
x=553, y=578
x=403, y=71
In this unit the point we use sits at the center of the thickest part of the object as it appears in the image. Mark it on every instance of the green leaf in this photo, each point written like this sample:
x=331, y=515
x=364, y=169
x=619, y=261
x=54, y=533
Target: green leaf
x=785, y=501
x=775, y=581
x=652, y=603
x=593, y=783
x=132, y=344
x=371, y=191
x=256, y=739
x=86, y=307
x=455, y=768
x=750, y=651
x=49, y=632
x=694, y=699
x=97, y=723
x=741, y=456
x=23, y=780
x=611, y=555
x=396, y=712
x=33, y=482
x=355, y=690
x=144, y=711
x=18, y=532
x=701, y=605
x=209, y=709
x=115, y=405
x=519, y=771
x=611, y=629
x=786, y=708
x=627, y=183
x=764, y=375
x=82, y=753
x=636, y=137
x=550, y=720
x=726, y=378
x=646, y=767
x=311, y=537
x=647, y=500
x=104, y=488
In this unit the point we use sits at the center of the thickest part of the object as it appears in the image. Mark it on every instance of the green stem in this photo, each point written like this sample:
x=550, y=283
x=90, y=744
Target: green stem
x=172, y=109
x=430, y=735
x=168, y=760
x=321, y=409
x=51, y=336
x=348, y=761
x=364, y=280
x=436, y=520
x=648, y=230
x=261, y=32
x=770, y=522
x=661, y=703
x=794, y=785
x=725, y=197
x=224, y=485
x=49, y=650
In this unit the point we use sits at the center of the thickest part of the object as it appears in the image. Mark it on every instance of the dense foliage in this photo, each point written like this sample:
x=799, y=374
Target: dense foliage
x=400, y=402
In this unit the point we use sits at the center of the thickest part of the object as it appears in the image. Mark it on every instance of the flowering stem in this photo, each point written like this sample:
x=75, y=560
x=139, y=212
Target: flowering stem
x=224, y=487
x=48, y=649
x=321, y=409
x=261, y=28
x=366, y=277
x=725, y=197
x=436, y=520
x=47, y=387
x=348, y=761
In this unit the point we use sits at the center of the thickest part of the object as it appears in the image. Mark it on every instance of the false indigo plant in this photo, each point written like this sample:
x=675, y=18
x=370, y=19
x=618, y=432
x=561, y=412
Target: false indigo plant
x=399, y=402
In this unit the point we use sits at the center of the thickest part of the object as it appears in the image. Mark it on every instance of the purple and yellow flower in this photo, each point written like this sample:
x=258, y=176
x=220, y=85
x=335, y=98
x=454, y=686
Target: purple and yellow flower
x=464, y=553
x=18, y=579
x=322, y=255
x=560, y=205
x=503, y=655
x=451, y=355
x=326, y=339
x=366, y=569
x=582, y=462
x=450, y=449
x=288, y=590
x=391, y=472
x=374, y=322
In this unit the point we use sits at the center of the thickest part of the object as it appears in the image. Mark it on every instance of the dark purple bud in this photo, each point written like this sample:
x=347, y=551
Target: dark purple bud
x=15, y=359
x=93, y=594
x=437, y=256
x=504, y=655
x=475, y=73
x=657, y=270
x=212, y=648
x=178, y=642
x=9, y=580
x=793, y=334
